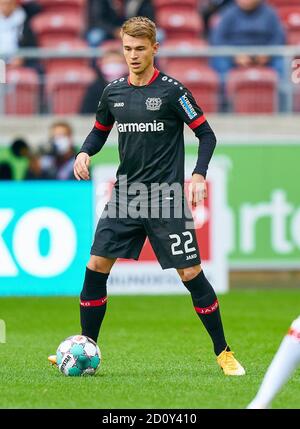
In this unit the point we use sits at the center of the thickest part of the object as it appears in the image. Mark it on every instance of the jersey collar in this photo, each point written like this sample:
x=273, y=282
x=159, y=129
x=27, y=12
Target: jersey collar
x=154, y=76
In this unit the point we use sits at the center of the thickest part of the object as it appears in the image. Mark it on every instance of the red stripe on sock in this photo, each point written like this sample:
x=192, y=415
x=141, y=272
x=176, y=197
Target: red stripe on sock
x=94, y=303
x=293, y=333
x=209, y=309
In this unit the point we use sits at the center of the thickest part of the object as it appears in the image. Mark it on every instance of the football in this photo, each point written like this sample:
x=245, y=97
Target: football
x=78, y=355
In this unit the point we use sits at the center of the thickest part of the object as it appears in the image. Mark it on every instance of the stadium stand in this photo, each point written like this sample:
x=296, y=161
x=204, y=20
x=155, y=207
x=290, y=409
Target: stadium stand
x=65, y=89
x=62, y=25
x=62, y=46
x=64, y=6
x=280, y=3
x=181, y=46
x=22, y=91
x=191, y=5
x=290, y=16
x=253, y=90
x=202, y=81
x=52, y=25
x=178, y=22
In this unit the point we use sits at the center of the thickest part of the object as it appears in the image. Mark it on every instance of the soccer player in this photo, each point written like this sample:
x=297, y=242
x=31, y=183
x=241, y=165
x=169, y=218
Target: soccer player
x=284, y=363
x=150, y=109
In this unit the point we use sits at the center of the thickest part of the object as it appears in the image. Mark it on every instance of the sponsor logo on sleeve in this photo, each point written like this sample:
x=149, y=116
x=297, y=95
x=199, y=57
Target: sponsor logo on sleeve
x=187, y=106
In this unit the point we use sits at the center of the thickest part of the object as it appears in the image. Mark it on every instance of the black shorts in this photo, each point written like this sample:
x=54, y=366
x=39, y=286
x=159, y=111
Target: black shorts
x=173, y=239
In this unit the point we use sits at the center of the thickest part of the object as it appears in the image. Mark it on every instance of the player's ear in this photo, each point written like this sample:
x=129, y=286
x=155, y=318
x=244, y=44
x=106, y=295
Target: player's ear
x=155, y=48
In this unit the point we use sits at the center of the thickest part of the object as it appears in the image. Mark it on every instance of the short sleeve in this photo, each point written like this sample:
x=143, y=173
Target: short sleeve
x=104, y=118
x=186, y=107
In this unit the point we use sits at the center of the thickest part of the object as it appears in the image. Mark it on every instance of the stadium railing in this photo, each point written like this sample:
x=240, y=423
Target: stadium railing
x=255, y=90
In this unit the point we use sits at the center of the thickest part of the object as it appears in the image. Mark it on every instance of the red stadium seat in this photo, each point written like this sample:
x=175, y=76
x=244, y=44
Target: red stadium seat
x=181, y=46
x=53, y=25
x=73, y=6
x=21, y=91
x=202, y=81
x=65, y=89
x=180, y=23
x=281, y=3
x=112, y=45
x=253, y=90
x=62, y=46
x=53, y=39
x=188, y=4
x=297, y=99
x=290, y=17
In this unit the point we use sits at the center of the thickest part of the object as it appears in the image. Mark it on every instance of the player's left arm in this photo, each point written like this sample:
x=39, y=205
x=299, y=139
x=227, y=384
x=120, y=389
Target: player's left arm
x=191, y=113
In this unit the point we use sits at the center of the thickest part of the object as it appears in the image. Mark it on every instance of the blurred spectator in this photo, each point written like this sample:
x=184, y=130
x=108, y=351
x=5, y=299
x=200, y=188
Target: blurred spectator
x=15, y=31
x=209, y=10
x=35, y=169
x=111, y=66
x=62, y=151
x=107, y=16
x=248, y=23
x=5, y=171
x=55, y=160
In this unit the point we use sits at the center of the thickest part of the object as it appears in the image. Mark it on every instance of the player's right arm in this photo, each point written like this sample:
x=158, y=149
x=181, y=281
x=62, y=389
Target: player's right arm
x=95, y=140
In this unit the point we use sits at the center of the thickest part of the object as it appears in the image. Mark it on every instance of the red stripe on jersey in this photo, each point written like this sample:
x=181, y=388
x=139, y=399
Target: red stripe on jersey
x=197, y=122
x=103, y=127
x=293, y=333
x=209, y=309
x=154, y=76
x=94, y=303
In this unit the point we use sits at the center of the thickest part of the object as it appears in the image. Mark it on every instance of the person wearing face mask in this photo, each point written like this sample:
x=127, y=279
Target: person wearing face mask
x=110, y=67
x=61, y=157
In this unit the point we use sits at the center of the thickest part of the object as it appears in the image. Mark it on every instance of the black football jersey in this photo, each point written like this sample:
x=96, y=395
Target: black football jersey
x=150, y=121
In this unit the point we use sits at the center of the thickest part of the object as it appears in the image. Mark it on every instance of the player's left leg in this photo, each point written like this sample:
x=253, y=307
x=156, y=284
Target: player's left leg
x=175, y=245
x=206, y=305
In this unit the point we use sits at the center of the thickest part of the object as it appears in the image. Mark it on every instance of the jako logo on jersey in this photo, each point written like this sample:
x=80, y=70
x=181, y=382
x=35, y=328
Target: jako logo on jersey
x=153, y=103
x=119, y=104
x=141, y=127
x=187, y=107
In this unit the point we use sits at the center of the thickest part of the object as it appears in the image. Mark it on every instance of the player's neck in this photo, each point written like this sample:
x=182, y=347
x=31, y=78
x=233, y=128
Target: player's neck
x=143, y=78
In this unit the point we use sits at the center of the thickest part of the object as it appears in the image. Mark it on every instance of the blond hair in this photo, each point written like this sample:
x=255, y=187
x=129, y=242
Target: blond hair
x=139, y=26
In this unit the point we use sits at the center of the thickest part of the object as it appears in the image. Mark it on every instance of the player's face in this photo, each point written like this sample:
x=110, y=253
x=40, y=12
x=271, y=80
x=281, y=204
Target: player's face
x=139, y=53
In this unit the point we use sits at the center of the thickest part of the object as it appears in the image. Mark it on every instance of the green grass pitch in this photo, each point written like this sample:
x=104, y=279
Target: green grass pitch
x=156, y=353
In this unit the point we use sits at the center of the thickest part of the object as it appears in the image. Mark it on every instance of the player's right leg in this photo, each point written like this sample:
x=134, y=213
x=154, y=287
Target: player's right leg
x=93, y=297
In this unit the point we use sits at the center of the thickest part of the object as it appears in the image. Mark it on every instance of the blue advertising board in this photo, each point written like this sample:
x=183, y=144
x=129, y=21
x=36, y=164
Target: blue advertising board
x=46, y=231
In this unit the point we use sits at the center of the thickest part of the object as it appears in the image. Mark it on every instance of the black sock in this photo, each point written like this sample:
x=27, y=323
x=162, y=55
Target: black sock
x=207, y=307
x=93, y=300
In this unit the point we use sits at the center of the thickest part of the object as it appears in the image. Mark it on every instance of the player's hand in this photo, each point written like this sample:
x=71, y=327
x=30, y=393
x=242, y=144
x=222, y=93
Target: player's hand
x=81, y=166
x=197, y=190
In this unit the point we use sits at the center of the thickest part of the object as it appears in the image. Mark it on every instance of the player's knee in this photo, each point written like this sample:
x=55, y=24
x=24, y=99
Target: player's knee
x=100, y=264
x=187, y=274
